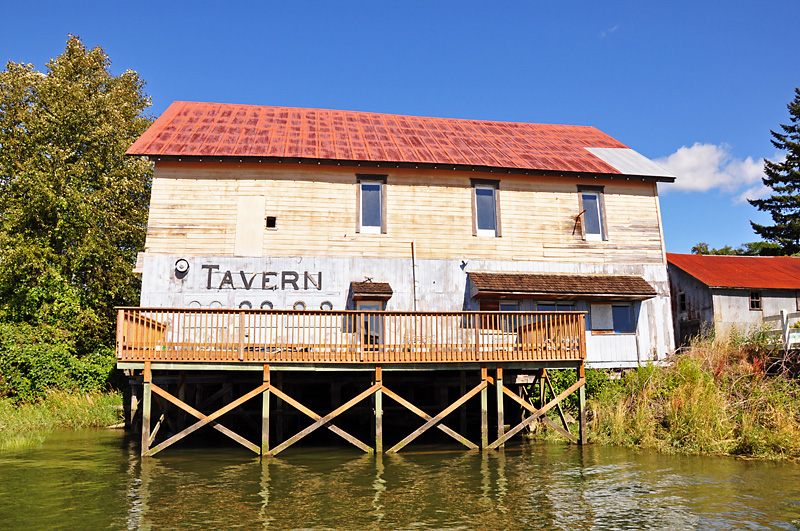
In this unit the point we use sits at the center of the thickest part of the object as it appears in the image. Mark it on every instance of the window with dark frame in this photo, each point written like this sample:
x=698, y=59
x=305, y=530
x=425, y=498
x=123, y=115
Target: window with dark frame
x=681, y=302
x=624, y=318
x=755, y=300
x=371, y=204
x=614, y=318
x=371, y=324
x=485, y=217
x=592, y=213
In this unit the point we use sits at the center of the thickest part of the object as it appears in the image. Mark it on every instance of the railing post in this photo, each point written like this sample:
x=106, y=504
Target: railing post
x=785, y=329
x=120, y=334
x=241, y=335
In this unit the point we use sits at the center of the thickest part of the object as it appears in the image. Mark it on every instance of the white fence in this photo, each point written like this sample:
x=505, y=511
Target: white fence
x=788, y=334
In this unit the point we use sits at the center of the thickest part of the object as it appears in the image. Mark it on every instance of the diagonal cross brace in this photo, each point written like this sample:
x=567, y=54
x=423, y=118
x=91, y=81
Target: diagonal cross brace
x=321, y=421
x=417, y=411
x=526, y=405
x=335, y=429
x=438, y=418
x=537, y=413
x=207, y=419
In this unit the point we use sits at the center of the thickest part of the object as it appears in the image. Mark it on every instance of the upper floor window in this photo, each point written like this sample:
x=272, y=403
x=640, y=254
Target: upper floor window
x=755, y=300
x=592, y=210
x=485, y=208
x=371, y=204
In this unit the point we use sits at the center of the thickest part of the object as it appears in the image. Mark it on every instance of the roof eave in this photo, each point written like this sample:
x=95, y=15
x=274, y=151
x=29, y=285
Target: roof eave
x=485, y=294
x=408, y=165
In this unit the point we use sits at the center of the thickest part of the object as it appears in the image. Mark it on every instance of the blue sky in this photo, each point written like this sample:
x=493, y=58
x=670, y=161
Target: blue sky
x=695, y=85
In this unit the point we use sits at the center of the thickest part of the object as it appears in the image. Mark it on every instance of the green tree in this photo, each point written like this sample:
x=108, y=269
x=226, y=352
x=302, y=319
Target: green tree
x=745, y=249
x=73, y=208
x=784, y=179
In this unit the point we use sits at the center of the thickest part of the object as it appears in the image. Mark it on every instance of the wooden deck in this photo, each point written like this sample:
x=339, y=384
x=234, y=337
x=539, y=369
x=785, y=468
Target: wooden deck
x=347, y=337
x=223, y=340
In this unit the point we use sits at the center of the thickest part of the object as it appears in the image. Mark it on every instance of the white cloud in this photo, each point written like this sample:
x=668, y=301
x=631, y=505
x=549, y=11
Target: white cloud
x=755, y=192
x=704, y=167
x=606, y=33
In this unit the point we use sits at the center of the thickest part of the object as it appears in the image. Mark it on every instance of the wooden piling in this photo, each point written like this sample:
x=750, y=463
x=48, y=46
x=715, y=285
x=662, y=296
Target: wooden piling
x=147, y=379
x=378, y=411
x=582, y=406
x=484, y=409
x=500, y=410
x=265, y=413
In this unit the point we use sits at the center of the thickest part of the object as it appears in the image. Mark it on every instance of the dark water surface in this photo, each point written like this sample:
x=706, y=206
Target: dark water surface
x=95, y=480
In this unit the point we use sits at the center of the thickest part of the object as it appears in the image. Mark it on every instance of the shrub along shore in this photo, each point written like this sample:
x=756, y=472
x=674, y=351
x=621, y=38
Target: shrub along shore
x=715, y=397
x=29, y=424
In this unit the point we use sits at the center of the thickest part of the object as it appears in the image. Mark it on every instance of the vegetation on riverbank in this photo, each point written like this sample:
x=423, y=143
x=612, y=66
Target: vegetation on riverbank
x=23, y=425
x=73, y=212
x=716, y=397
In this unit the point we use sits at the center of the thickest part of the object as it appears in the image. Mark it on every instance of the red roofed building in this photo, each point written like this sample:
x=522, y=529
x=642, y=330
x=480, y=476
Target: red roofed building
x=720, y=293
x=288, y=208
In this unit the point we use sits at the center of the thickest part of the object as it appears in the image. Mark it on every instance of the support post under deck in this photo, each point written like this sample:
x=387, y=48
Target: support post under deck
x=582, y=406
x=265, y=414
x=147, y=380
x=500, y=411
x=484, y=409
x=378, y=411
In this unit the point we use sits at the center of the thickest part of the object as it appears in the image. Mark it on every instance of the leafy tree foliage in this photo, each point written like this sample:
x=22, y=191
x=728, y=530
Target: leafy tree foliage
x=73, y=209
x=784, y=179
x=746, y=249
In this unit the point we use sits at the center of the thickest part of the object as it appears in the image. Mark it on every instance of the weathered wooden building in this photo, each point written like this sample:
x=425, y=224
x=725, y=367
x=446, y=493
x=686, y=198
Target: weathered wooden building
x=716, y=294
x=396, y=239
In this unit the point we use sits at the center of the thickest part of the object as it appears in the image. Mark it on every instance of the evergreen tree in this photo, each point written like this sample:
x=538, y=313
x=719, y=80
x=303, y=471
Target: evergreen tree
x=73, y=208
x=784, y=180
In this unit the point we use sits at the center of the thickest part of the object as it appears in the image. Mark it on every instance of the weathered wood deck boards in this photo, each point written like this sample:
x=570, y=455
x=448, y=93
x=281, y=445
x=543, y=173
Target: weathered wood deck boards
x=190, y=339
x=352, y=337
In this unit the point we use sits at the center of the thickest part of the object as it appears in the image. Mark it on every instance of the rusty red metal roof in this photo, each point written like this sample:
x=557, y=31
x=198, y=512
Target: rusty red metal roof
x=762, y=272
x=191, y=129
x=549, y=285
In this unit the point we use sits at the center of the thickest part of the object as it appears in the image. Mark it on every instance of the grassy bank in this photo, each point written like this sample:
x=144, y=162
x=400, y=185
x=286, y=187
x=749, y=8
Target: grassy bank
x=716, y=397
x=29, y=424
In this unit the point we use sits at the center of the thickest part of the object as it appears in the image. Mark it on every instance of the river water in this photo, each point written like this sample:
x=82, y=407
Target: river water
x=95, y=480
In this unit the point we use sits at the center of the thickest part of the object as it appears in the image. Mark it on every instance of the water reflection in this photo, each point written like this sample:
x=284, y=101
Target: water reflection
x=99, y=481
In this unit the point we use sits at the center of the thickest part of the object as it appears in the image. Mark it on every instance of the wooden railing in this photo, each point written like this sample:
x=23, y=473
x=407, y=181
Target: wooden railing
x=266, y=336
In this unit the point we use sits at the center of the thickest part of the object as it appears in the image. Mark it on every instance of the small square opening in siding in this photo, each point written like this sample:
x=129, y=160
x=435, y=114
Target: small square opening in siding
x=272, y=222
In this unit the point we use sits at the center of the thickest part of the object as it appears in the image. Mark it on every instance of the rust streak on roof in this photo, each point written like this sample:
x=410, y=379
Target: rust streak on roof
x=720, y=271
x=192, y=129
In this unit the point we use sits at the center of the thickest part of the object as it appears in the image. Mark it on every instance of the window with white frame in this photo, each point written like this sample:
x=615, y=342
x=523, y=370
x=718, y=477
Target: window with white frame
x=371, y=204
x=592, y=214
x=485, y=211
